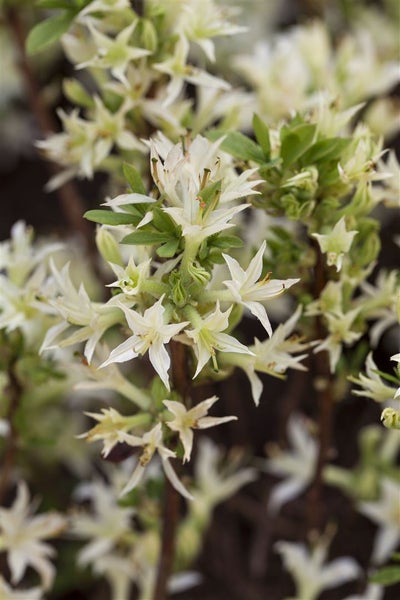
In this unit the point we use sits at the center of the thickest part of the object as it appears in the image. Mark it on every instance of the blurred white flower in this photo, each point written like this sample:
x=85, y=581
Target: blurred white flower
x=296, y=465
x=309, y=571
x=21, y=538
x=195, y=418
x=385, y=512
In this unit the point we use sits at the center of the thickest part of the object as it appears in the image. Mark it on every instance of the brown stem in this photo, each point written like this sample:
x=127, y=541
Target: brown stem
x=323, y=385
x=181, y=382
x=70, y=201
x=13, y=391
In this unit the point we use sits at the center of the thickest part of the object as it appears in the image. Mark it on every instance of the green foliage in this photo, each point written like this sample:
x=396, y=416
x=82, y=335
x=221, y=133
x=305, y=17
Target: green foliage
x=48, y=32
x=134, y=179
x=108, y=217
x=239, y=145
x=389, y=575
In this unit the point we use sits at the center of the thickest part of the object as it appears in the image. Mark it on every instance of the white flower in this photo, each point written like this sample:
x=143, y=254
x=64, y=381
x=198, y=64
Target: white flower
x=372, y=385
x=336, y=244
x=214, y=482
x=396, y=357
x=195, y=418
x=104, y=6
x=150, y=333
x=7, y=593
x=114, y=54
x=297, y=465
x=152, y=442
x=201, y=20
x=208, y=338
x=385, y=512
x=131, y=277
x=76, y=308
x=249, y=291
x=21, y=537
x=177, y=68
x=339, y=327
x=310, y=573
x=106, y=526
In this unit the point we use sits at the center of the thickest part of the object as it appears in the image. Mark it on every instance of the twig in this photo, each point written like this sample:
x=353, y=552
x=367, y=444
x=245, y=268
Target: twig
x=13, y=390
x=181, y=381
x=70, y=201
x=323, y=382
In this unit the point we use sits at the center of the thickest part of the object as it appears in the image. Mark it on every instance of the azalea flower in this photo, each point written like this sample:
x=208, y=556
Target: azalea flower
x=249, y=291
x=385, y=512
x=297, y=465
x=372, y=592
x=208, y=338
x=273, y=356
x=111, y=425
x=114, y=54
x=372, y=386
x=336, y=244
x=76, y=308
x=150, y=333
x=131, y=277
x=108, y=524
x=215, y=482
x=310, y=573
x=21, y=537
x=7, y=592
x=152, y=442
x=195, y=418
x=339, y=327
x=180, y=71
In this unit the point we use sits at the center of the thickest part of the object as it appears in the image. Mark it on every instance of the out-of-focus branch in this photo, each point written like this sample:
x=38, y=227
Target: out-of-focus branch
x=70, y=201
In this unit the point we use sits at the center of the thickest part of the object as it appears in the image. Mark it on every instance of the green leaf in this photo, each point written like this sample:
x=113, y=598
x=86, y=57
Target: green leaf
x=239, y=145
x=387, y=575
x=48, y=32
x=169, y=249
x=75, y=92
x=329, y=149
x=107, y=217
x=134, y=179
x=295, y=142
x=261, y=131
x=146, y=237
x=226, y=241
x=162, y=221
x=208, y=193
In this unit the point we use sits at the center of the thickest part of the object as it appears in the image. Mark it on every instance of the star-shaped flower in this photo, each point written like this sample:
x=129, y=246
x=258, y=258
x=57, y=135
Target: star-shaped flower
x=152, y=442
x=385, y=512
x=208, y=338
x=21, y=537
x=249, y=291
x=336, y=244
x=150, y=333
x=310, y=573
x=114, y=54
x=297, y=465
x=185, y=421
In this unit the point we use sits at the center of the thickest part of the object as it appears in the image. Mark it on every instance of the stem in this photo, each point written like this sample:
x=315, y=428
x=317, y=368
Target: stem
x=14, y=391
x=182, y=383
x=70, y=201
x=323, y=383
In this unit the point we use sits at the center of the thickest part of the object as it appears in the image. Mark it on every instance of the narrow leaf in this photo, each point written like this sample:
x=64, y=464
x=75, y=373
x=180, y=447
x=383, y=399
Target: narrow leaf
x=238, y=145
x=134, y=179
x=261, y=131
x=295, y=142
x=387, y=575
x=48, y=32
x=107, y=217
x=168, y=250
x=145, y=237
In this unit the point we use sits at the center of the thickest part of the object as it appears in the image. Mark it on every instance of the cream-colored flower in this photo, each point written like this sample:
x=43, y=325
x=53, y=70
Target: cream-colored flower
x=21, y=537
x=185, y=421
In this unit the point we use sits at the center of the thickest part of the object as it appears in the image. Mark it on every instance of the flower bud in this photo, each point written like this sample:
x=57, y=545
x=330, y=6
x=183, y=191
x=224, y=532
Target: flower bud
x=108, y=247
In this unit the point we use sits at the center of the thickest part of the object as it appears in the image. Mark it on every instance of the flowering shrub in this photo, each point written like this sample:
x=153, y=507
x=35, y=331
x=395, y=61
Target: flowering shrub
x=223, y=209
